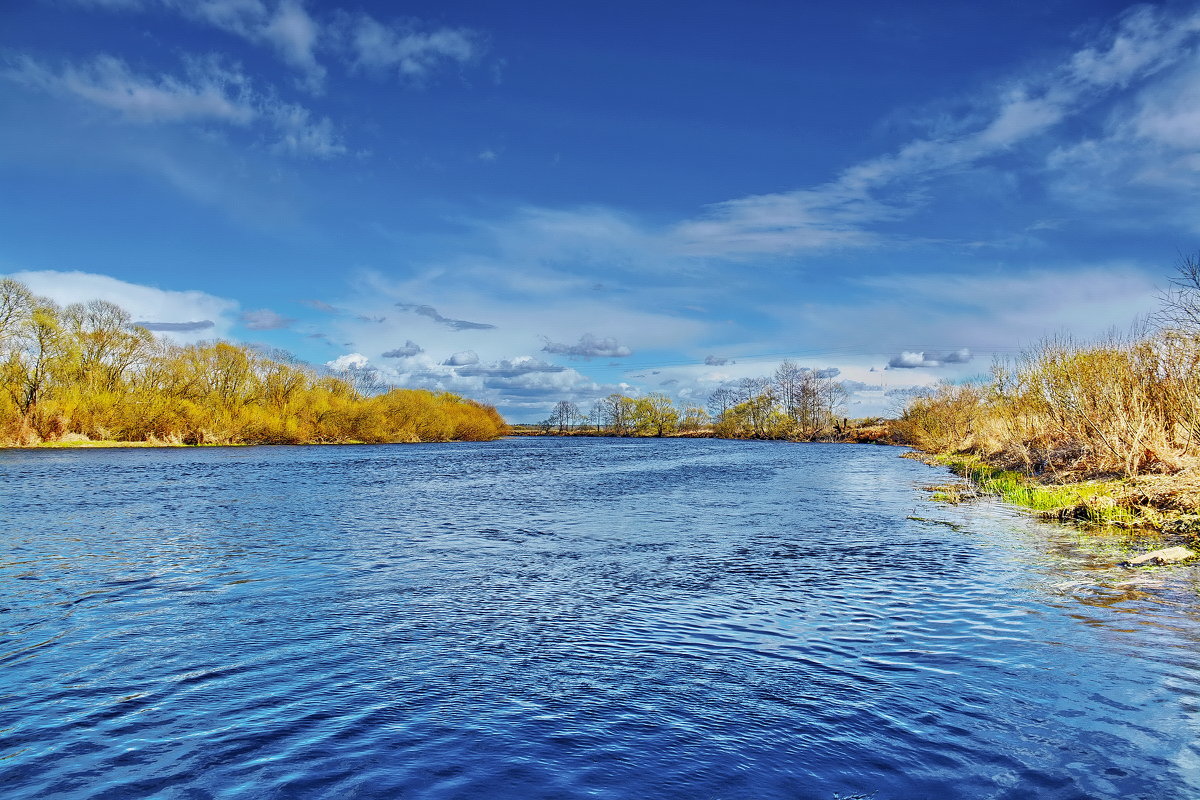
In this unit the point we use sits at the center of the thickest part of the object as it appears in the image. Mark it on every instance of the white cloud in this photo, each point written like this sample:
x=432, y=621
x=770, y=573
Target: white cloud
x=1144, y=42
x=989, y=311
x=288, y=29
x=264, y=319
x=409, y=350
x=348, y=363
x=184, y=311
x=211, y=92
x=411, y=53
x=590, y=346
x=242, y=17
x=300, y=135
x=1143, y=168
x=462, y=359
x=294, y=34
x=846, y=211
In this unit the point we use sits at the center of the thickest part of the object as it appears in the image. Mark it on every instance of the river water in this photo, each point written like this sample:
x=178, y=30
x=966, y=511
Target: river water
x=572, y=618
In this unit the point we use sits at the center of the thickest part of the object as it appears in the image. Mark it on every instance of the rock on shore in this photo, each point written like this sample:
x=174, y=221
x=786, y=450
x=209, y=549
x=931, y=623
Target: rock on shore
x=1155, y=558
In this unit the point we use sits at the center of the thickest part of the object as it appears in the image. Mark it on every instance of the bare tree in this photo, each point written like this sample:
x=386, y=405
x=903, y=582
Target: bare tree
x=1181, y=303
x=564, y=415
x=720, y=401
x=787, y=387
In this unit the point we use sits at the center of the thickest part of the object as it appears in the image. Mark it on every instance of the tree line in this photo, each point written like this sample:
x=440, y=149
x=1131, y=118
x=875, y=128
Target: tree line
x=1127, y=405
x=793, y=403
x=87, y=371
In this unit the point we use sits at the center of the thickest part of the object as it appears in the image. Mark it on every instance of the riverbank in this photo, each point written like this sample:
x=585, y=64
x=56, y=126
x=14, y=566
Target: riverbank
x=1169, y=504
x=877, y=433
x=96, y=444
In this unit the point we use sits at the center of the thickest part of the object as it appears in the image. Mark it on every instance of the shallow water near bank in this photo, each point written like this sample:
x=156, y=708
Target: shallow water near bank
x=563, y=618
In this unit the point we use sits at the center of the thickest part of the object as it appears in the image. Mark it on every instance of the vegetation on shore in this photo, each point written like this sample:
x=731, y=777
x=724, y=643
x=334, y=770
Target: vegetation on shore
x=1105, y=432
x=86, y=372
x=794, y=403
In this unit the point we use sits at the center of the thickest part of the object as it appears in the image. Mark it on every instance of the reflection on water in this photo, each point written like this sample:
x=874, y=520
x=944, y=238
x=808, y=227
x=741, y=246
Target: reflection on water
x=572, y=618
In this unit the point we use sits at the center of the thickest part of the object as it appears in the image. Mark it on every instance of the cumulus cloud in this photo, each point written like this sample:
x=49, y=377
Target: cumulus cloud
x=409, y=350
x=960, y=356
x=908, y=360
x=589, y=346
x=264, y=319
x=453, y=324
x=828, y=372
x=462, y=359
x=515, y=383
x=715, y=361
x=911, y=360
x=183, y=315
x=348, y=362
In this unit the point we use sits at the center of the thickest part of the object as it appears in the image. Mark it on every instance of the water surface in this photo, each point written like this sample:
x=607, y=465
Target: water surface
x=567, y=618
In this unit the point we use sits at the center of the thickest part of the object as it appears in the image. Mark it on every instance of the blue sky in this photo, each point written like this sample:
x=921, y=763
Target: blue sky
x=531, y=202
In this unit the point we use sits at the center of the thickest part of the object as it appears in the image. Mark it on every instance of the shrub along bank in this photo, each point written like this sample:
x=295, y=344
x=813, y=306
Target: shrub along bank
x=86, y=372
x=1106, y=432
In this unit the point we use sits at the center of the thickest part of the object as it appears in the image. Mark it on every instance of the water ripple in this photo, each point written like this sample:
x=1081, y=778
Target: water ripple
x=568, y=618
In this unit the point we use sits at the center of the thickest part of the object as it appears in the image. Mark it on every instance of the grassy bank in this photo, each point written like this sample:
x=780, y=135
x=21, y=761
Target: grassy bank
x=1164, y=503
x=1102, y=432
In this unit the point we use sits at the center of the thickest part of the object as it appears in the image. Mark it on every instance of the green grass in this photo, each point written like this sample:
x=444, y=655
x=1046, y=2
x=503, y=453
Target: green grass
x=1089, y=501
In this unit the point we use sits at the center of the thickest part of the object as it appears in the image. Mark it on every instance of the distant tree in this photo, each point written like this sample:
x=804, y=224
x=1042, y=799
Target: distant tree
x=29, y=368
x=564, y=415
x=615, y=412
x=788, y=380
x=16, y=306
x=721, y=400
x=694, y=418
x=654, y=415
x=104, y=342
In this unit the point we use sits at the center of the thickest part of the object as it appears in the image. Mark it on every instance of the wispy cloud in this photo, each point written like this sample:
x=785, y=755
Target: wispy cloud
x=294, y=35
x=210, y=91
x=412, y=50
x=401, y=48
x=847, y=211
x=264, y=319
x=178, y=327
x=453, y=324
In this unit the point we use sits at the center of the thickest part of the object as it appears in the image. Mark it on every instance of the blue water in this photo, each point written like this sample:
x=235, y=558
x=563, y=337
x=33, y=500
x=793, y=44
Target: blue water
x=550, y=618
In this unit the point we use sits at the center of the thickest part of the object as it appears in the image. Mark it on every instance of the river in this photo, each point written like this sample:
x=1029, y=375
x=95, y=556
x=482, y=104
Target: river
x=572, y=618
